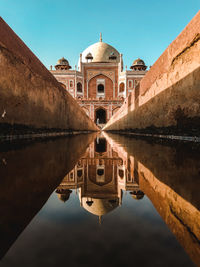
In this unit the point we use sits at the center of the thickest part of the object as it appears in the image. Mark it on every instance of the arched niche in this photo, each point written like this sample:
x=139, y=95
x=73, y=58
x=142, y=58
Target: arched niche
x=79, y=88
x=121, y=87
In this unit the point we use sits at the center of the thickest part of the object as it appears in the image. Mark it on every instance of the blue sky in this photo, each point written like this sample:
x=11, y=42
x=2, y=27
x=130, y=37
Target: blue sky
x=53, y=29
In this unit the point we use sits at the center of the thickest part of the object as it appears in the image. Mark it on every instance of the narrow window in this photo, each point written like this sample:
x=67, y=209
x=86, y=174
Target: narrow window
x=71, y=84
x=79, y=173
x=121, y=173
x=79, y=88
x=100, y=88
x=130, y=84
x=121, y=87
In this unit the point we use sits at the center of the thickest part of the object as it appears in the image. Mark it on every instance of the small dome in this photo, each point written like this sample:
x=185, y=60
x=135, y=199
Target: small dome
x=63, y=194
x=62, y=64
x=138, y=64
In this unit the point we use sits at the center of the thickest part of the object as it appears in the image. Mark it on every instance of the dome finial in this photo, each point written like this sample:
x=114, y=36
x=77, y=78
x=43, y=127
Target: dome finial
x=100, y=37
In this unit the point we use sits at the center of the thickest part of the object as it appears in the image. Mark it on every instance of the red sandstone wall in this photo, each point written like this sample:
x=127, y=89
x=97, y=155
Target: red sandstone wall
x=168, y=95
x=100, y=68
x=29, y=94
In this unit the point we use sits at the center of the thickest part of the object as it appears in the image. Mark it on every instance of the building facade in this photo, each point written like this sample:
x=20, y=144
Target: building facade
x=99, y=84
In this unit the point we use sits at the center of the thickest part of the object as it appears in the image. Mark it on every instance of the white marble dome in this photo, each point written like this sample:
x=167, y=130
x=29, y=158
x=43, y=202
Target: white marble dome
x=101, y=52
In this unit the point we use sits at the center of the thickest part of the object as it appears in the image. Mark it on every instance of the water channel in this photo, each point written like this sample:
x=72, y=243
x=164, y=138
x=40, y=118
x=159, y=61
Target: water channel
x=99, y=200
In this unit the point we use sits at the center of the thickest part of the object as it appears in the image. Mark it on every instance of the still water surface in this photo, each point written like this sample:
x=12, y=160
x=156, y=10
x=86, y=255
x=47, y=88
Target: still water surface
x=104, y=200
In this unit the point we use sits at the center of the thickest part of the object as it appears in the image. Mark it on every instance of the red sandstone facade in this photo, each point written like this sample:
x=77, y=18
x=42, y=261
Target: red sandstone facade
x=100, y=84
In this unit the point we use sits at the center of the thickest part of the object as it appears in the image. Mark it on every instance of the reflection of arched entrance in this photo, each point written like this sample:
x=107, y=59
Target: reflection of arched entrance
x=100, y=116
x=100, y=145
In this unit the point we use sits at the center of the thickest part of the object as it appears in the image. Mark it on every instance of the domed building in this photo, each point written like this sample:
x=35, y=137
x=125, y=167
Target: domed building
x=100, y=84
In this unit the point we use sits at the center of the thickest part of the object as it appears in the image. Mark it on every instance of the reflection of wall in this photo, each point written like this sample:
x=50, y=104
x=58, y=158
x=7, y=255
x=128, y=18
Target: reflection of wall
x=28, y=177
x=169, y=176
x=182, y=218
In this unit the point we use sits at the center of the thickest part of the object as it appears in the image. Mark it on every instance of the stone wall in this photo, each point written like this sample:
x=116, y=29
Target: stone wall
x=168, y=97
x=29, y=94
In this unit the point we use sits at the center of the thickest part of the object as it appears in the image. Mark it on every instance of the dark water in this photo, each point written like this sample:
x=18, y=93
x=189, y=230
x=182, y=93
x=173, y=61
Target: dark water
x=105, y=201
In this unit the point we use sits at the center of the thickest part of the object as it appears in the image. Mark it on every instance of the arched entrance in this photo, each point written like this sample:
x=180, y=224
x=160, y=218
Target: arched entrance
x=100, y=116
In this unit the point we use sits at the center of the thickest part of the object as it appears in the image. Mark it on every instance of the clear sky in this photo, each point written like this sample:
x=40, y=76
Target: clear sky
x=56, y=28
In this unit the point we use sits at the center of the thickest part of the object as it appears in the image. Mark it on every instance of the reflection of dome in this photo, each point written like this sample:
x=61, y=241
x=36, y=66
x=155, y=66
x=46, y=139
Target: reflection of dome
x=63, y=194
x=98, y=206
x=137, y=194
x=101, y=52
x=62, y=64
x=138, y=64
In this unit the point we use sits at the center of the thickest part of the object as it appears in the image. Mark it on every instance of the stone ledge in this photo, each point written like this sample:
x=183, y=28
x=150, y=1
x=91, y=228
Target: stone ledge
x=162, y=136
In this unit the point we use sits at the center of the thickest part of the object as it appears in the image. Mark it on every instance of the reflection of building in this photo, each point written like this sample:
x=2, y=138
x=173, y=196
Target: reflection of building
x=100, y=84
x=100, y=176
